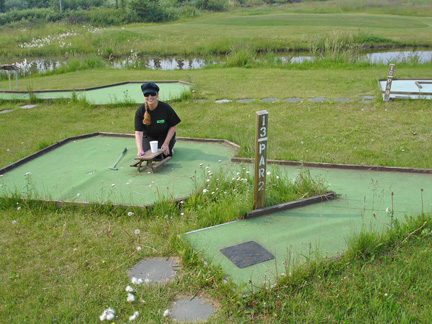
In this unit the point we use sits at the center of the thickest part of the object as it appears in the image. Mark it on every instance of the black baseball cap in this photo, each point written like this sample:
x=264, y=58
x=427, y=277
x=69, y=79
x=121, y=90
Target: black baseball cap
x=149, y=87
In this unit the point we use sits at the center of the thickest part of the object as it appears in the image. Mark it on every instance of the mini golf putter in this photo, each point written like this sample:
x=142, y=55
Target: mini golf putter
x=114, y=166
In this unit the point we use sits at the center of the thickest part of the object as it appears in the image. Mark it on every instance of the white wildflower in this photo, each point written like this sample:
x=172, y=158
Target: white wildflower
x=166, y=313
x=134, y=316
x=28, y=173
x=108, y=314
x=137, y=231
x=129, y=289
x=204, y=191
x=181, y=214
x=14, y=222
x=134, y=280
x=130, y=297
x=138, y=248
x=78, y=194
x=131, y=214
x=19, y=208
x=113, y=185
x=387, y=210
x=268, y=173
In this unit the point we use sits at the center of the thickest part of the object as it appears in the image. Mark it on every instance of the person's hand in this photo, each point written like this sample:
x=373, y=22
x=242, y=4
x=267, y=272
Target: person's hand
x=140, y=153
x=165, y=148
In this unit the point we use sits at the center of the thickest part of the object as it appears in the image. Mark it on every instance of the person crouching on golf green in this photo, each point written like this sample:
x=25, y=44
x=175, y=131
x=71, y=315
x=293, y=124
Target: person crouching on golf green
x=155, y=121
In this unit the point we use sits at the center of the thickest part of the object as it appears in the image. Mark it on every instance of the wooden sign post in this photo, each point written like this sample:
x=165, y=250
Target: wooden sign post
x=389, y=82
x=260, y=158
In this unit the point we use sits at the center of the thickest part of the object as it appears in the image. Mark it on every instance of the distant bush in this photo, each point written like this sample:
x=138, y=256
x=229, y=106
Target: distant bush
x=212, y=5
x=100, y=16
x=148, y=11
x=29, y=15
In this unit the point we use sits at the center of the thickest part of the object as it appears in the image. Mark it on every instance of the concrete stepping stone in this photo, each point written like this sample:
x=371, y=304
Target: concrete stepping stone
x=317, y=99
x=155, y=270
x=223, y=100
x=5, y=111
x=367, y=97
x=245, y=100
x=191, y=310
x=269, y=99
x=28, y=106
x=342, y=99
x=292, y=99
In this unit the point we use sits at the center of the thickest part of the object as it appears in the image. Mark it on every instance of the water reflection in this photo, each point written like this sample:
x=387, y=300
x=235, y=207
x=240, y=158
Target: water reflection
x=28, y=67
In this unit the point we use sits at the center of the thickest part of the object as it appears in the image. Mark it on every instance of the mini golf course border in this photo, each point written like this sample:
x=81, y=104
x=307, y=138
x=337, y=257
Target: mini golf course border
x=251, y=214
x=94, y=88
x=57, y=94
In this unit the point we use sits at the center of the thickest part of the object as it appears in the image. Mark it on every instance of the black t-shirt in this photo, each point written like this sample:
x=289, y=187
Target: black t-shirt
x=162, y=118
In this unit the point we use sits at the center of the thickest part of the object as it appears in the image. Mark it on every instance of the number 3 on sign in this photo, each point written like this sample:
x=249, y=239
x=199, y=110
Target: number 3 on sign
x=263, y=128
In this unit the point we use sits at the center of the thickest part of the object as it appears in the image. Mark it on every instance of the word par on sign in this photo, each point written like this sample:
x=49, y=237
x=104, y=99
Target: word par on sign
x=260, y=158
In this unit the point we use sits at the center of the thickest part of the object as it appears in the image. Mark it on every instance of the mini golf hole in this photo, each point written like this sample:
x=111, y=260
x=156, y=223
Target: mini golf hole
x=155, y=270
x=192, y=309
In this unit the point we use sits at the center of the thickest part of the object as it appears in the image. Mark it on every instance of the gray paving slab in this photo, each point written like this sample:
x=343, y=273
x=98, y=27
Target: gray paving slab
x=245, y=100
x=5, y=111
x=270, y=100
x=30, y=106
x=342, y=100
x=223, y=101
x=293, y=99
x=317, y=99
x=154, y=270
x=191, y=310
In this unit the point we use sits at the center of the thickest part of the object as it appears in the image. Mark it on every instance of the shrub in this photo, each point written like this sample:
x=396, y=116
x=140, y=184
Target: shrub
x=148, y=11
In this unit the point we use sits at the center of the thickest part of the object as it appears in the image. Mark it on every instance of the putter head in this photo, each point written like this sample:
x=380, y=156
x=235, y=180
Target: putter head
x=113, y=169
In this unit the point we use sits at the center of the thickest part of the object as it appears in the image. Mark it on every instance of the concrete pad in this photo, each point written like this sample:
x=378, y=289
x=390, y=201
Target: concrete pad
x=366, y=97
x=342, y=99
x=223, y=101
x=269, y=99
x=5, y=111
x=155, y=270
x=28, y=106
x=245, y=100
x=317, y=99
x=193, y=309
x=292, y=99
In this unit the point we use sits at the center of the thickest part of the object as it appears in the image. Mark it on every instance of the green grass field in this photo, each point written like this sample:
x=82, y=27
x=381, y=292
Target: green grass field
x=66, y=265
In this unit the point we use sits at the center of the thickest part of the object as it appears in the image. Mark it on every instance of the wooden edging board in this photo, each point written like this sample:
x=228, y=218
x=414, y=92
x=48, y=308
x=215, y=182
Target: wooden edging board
x=290, y=205
x=337, y=166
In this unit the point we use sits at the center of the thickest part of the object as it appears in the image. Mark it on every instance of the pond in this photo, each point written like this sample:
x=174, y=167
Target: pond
x=28, y=67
